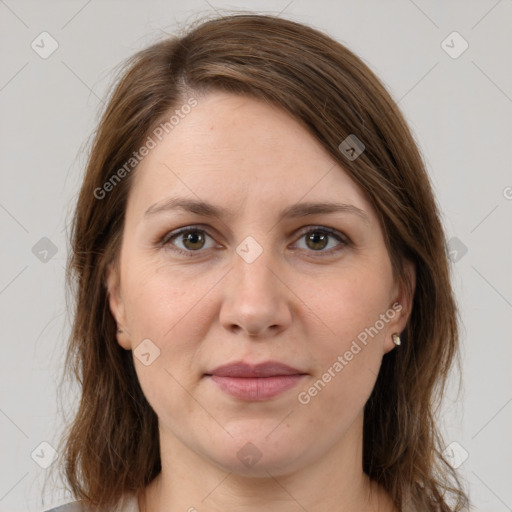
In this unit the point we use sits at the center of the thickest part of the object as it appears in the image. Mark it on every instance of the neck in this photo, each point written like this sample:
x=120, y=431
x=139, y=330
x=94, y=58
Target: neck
x=334, y=481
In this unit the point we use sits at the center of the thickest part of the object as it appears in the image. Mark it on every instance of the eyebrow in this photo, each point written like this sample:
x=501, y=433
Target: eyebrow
x=297, y=210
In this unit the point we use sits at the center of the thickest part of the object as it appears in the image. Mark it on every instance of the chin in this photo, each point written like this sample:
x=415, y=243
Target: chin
x=267, y=466
x=251, y=453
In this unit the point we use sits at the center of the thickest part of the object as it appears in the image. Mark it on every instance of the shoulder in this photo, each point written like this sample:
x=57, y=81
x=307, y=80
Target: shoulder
x=129, y=503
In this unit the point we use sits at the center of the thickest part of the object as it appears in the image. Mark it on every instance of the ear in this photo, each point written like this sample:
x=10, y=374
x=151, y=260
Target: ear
x=401, y=304
x=116, y=304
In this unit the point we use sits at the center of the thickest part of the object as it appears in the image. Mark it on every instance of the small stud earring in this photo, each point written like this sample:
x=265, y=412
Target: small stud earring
x=119, y=330
x=396, y=339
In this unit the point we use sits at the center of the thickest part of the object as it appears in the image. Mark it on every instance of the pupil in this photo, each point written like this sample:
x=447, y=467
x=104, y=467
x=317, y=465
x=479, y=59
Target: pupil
x=193, y=238
x=315, y=237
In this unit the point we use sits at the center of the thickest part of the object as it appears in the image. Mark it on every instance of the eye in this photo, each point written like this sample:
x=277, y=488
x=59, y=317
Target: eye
x=191, y=238
x=319, y=237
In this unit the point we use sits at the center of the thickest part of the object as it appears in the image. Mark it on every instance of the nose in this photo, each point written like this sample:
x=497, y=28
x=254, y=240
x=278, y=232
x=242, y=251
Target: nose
x=256, y=299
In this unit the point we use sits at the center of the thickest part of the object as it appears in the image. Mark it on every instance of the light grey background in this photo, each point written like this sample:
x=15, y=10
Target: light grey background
x=459, y=110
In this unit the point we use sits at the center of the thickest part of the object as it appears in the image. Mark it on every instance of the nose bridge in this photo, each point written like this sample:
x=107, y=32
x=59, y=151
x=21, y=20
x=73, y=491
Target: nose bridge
x=254, y=267
x=256, y=300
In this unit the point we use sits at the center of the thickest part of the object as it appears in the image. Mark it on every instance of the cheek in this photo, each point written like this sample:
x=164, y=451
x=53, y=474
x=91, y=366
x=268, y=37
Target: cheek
x=350, y=351
x=348, y=355
x=158, y=299
x=172, y=309
x=352, y=303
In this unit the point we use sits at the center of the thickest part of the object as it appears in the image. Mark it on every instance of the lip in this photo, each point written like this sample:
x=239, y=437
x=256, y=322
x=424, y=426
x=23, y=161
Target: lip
x=245, y=370
x=255, y=382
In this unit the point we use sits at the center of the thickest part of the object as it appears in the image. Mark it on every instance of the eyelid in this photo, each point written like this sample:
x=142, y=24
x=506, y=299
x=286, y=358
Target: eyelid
x=331, y=231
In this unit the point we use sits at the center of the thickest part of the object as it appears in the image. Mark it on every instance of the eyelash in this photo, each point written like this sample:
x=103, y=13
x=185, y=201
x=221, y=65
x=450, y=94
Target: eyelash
x=166, y=240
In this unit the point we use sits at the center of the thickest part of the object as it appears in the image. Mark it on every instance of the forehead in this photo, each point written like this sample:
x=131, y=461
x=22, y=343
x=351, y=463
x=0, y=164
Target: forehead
x=235, y=149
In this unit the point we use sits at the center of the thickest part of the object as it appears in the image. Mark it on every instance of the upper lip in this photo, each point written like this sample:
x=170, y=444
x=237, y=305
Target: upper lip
x=267, y=369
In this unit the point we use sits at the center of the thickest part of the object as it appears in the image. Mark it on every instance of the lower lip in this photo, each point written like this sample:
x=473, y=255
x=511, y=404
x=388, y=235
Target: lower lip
x=258, y=388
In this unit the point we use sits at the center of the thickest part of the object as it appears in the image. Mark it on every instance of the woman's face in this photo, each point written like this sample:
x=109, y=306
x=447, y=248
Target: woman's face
x=228, y=257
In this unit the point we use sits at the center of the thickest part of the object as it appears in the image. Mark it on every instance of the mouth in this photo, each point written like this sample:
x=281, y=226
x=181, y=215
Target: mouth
x=255, y=382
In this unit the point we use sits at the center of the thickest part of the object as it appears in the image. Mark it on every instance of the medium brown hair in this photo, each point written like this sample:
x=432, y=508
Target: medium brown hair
x=111, y=446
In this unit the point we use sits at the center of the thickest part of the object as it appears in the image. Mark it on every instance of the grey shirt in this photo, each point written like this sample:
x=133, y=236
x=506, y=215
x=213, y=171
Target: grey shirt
x=128, y=503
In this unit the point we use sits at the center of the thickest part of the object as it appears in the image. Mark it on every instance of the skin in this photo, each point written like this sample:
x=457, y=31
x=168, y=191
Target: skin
x=298, y=303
